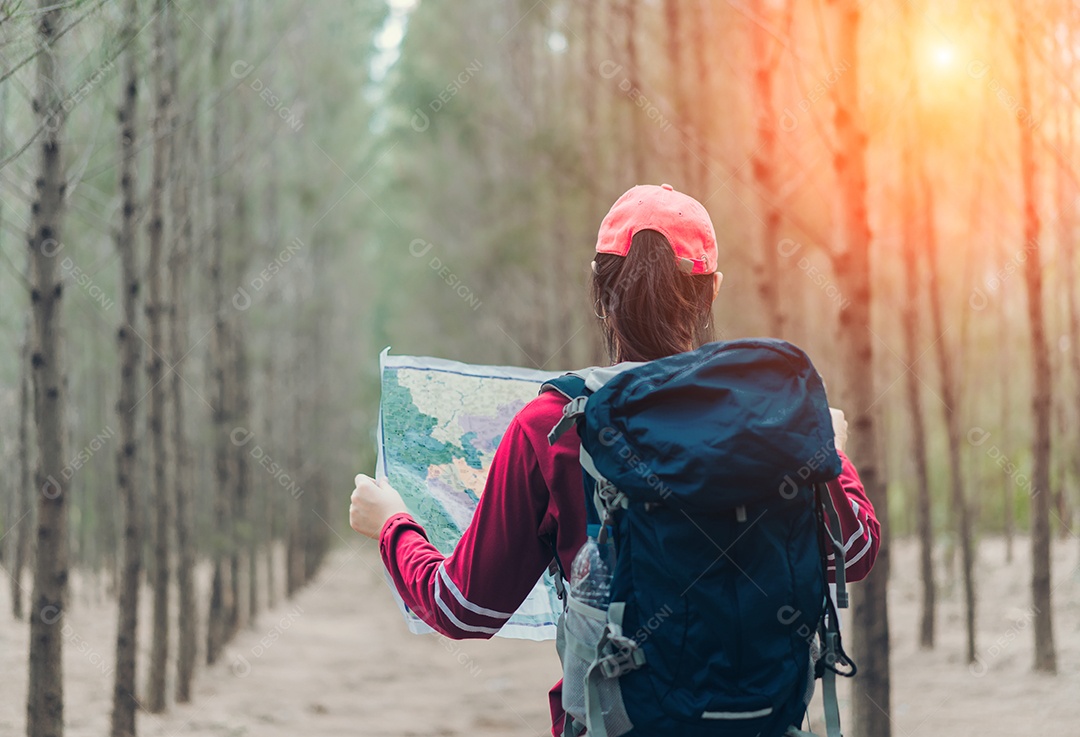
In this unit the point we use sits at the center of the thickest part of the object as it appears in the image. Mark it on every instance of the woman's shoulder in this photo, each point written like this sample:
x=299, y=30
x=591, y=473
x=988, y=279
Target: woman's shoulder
x=542, y=413
x=536, y=419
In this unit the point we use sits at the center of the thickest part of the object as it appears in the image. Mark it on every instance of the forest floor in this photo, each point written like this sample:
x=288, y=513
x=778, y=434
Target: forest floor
x=337, y=660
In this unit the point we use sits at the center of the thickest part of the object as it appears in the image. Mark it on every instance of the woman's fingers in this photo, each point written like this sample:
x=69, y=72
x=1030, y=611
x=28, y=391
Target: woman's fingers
x=371, y=504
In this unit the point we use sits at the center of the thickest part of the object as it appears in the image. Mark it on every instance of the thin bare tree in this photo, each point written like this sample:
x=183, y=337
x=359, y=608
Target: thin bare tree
x=909, y=320
x=871, y=692
x=24, y=501
x=633, y=68
x=125, y=703
x=950, y=398
x=183, y=214
x=766, y=55
x=705, y=12
x=685, y=139
x=220, y=589
x=156, y=310
x=1042, y=629
x=45, y=702
x=1067, y=189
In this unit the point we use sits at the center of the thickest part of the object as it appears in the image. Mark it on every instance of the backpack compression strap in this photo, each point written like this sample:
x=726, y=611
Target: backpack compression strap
x=575, y=387
x=571, y=386
x=836, y=539
x=614, y=653
x=832, y=649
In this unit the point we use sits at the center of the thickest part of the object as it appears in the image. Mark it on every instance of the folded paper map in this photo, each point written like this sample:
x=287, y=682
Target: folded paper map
x=439, y=425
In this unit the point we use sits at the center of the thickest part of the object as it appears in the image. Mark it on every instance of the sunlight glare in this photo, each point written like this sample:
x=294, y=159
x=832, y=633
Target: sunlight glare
x=557, y=42
x=943, y=56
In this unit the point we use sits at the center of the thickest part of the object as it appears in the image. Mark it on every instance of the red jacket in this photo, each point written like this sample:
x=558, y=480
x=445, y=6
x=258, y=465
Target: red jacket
x=533, y=495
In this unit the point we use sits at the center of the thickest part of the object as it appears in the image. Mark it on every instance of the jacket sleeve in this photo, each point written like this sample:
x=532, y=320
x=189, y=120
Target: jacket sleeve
x=860, y=530
x=473, y=591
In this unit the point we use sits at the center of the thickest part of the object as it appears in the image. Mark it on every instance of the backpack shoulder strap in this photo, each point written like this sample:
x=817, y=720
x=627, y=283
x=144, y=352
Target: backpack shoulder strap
x=578, y=386
x=584, y=382
x=574, y=387
x=570, y=385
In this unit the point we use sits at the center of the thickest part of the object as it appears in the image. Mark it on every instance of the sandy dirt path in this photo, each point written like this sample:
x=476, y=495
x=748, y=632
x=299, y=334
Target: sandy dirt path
x=337, y=660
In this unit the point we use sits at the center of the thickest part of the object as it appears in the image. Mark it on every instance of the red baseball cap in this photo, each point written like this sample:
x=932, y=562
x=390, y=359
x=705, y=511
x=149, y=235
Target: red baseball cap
x=682, y=219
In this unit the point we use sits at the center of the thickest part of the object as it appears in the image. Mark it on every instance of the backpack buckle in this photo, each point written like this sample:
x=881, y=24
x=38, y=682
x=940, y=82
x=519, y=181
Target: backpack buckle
x=573, y=409
x=611, y=498
x=556, y=576
x=627, y=656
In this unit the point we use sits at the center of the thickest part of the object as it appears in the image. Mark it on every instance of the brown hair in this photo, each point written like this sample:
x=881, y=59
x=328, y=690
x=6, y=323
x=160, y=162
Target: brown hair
x=649, y=308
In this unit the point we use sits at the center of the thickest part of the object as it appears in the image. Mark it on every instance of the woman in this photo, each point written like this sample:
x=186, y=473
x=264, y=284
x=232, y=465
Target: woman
x=654, y=282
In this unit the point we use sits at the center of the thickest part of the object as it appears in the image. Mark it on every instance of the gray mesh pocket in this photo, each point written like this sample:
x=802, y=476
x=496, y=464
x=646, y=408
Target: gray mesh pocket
x=815, y=654
x=583, y=627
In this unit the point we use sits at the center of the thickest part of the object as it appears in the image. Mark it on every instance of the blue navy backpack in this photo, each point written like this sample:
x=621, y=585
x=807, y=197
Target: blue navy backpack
x=706, y=472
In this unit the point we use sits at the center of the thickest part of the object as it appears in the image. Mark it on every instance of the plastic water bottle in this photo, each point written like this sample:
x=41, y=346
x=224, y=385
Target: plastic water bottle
x=590, y=575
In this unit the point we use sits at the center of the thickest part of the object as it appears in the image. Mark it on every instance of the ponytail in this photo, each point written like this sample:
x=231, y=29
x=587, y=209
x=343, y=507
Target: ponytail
x=648, y=308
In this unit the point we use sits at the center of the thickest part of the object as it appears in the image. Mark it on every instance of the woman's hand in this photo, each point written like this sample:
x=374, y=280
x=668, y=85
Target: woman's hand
x=372, y=504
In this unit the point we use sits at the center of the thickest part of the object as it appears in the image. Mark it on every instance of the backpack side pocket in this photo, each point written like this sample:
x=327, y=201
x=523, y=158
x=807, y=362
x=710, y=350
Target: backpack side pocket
x=583, y=630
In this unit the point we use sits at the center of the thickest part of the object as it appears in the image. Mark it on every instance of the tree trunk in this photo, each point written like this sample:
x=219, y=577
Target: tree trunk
x=125, y=703
x=1045, y=656
x=1060, y=462
x=684, y=139
x=45, y=687
x=270, y=501
x=871, y=690
x=245, y=527
x=183, y=483
x=22, y=525
x=295, y=535
x=1071, y=277
x=909, y=319
x=217, y=620
x=294, y=551
x=1067, y=246
x=637, y=137
x=1074, y=357
x=319, y=532
x=220, y=589
x=701, y=114
x=271, y=409
x=1005, y=379
x=589, y=152
x=22, y=500
x=156, y=309
x=764, y=169
x=950, y=398
x=234, y=266
x=238, y=398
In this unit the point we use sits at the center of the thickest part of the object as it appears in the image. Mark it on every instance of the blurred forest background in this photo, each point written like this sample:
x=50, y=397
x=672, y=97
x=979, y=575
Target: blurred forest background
x=214, y=215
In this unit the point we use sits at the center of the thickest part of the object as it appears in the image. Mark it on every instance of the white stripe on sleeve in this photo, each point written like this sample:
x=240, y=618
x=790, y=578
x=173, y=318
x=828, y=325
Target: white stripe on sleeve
x=460, y=598
x=457, y=622
x=860, y=554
